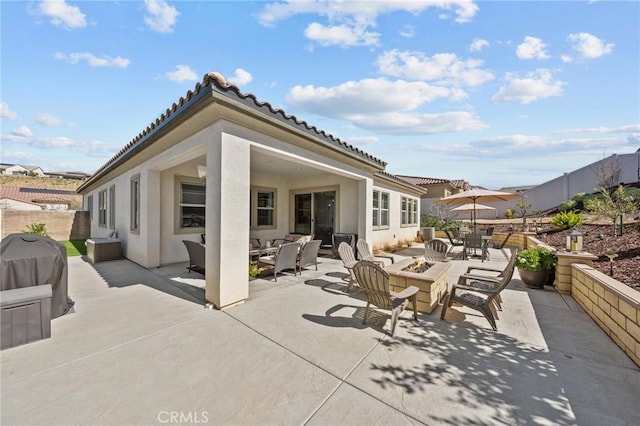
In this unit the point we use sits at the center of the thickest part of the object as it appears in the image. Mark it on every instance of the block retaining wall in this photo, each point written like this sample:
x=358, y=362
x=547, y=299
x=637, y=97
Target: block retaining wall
x=614, y=306
x=60, y=225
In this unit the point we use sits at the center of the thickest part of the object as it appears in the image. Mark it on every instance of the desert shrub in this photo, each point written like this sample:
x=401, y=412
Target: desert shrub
x=567, y=205
x=567, y=220
x=509, y=213
x=36, y=228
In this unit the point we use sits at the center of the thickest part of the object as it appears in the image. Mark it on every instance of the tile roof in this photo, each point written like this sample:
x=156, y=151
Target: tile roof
x=418, y=180
x=39, y=195
x=216, y=82
x=401, y=181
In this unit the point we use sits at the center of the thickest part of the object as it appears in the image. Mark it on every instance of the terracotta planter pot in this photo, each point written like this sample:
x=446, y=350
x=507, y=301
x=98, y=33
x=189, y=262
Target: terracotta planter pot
x=533, y=279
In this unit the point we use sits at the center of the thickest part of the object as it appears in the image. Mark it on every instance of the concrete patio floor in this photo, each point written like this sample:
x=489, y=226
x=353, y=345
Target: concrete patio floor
x=140, y=348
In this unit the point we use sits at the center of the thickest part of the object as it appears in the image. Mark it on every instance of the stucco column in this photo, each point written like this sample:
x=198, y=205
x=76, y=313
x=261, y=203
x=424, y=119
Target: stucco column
x=563, y=268
x=227, y=220
x=152, y=217
x=365, y=212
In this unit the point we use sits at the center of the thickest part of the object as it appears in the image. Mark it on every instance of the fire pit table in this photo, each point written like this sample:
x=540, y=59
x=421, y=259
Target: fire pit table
x=432, y=282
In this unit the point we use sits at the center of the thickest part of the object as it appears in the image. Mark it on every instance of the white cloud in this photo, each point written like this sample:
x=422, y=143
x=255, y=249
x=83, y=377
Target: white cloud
x=419, y=124
x=92, y=60
x=408, y=31
x=368, y=96
x=62, y=15
x=363, y=140
x=384, y=106
x=5, y=112
x=97, y=149
x=442, y=67
x=340, y=35
x=23, y=136
x=161, y=17
x=49, y=120
x=633, y=128
x=181, y=74
x=532, y=48
x=590, y=46
x=349, y=22
x=22, y=132
x=536, y=85
x=241, y=77
x=478, y=44
x=566, y=59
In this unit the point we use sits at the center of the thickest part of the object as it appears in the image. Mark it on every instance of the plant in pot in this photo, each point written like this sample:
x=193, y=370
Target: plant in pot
x=535, y=265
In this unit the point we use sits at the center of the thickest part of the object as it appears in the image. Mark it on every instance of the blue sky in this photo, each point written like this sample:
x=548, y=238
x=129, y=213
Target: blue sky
x=498, y=93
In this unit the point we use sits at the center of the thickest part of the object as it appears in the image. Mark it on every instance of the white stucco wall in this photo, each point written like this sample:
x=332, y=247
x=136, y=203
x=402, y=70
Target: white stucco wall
x=395, y=232
x=8, y=203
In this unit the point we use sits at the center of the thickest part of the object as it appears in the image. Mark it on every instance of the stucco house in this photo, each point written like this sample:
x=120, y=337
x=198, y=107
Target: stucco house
x=20, y=170
x=222, y=163
x=436, y=188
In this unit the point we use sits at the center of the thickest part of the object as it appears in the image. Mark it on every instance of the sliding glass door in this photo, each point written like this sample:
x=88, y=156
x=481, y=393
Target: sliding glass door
x=314, y=213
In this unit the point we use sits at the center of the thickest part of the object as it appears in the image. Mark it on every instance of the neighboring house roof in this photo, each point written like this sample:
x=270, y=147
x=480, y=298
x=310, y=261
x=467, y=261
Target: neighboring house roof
x=69, y=175
x=214, y=82
x=418, y=180
x=28, y=168
x=401, y=182
x=40, y=195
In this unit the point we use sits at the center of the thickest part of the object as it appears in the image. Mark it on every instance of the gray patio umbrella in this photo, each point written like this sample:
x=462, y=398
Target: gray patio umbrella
x=475, y=196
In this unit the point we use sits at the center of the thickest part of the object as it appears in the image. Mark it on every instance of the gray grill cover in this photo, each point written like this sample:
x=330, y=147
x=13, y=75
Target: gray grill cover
x=29, y=260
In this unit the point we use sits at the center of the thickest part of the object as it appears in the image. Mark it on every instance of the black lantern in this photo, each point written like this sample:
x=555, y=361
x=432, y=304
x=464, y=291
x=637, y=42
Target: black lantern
x=574, y=241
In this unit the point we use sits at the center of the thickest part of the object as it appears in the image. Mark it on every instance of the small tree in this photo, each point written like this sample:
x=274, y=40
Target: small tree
x=524, y=208
x=613, y=205
x=608, y=173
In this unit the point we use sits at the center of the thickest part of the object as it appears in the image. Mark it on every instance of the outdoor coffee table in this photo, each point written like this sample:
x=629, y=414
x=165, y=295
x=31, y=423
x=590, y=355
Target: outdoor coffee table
x=432, y=282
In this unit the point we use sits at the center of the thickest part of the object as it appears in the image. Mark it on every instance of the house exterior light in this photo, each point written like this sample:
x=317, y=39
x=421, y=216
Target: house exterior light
x=574, y=241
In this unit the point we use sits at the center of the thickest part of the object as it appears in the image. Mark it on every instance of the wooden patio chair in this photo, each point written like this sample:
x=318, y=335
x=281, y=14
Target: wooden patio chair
x=480, y=293
x=374, y=282
x=309, y=255
x=436, y=250
x=484, y=281
x=285, y=258
x=348, y=258
x=196, y=253
x=365, y=253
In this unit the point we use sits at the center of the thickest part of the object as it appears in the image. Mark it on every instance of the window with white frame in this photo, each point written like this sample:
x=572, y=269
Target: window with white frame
x=408, y=211
x=102, y=208
x=135, y=204
x=191, y=196
x=380, y=209
x=112, y=207
x=263, y=208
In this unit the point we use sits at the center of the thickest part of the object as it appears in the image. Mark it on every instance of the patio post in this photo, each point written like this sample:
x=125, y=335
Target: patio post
x=365, y=210
x=227, y=219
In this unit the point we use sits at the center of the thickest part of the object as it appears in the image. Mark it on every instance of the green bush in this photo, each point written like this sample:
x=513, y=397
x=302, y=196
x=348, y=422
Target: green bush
x=36, y=228
x=536, y=259
x=567, y=220
x=509, y=213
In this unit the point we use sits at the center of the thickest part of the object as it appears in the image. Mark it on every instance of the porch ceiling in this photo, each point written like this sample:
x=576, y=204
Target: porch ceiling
x=269, y=164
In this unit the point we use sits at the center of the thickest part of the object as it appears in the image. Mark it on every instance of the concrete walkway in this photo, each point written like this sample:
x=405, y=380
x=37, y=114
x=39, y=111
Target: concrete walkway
x=140, y=348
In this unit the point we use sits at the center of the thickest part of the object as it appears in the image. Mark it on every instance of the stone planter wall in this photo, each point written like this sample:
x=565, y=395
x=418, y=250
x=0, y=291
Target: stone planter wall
x=615, y=307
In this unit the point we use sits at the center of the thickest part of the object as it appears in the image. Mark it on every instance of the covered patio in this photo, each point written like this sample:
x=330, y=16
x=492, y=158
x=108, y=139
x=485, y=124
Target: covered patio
x=140, y=348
